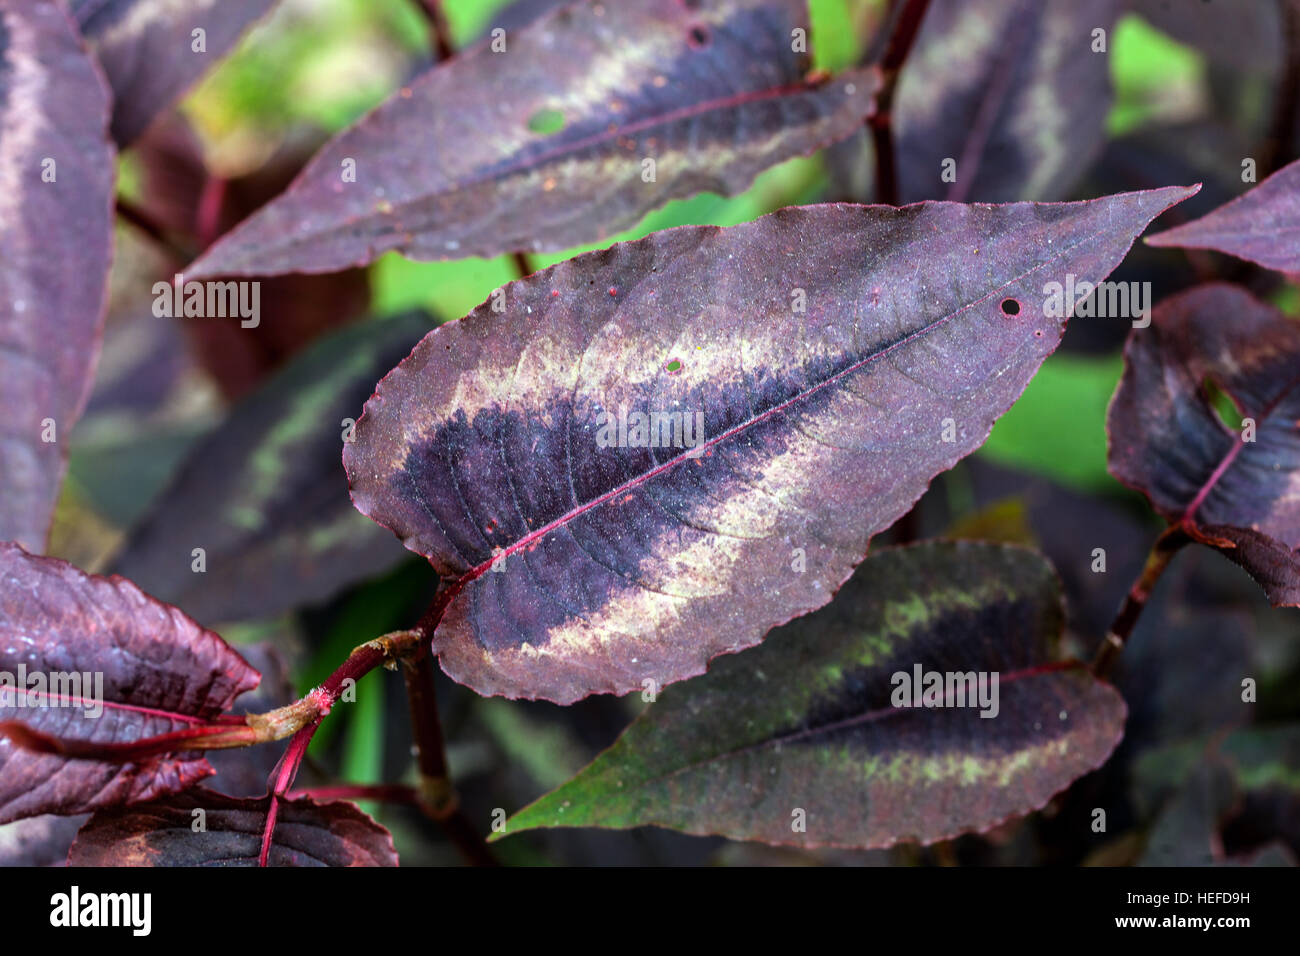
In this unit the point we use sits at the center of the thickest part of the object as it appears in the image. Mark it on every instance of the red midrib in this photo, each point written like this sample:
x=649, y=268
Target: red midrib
x=1233, y=452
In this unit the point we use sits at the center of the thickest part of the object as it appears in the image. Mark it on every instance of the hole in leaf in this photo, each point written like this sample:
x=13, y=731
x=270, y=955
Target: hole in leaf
x=546, y=122
x=1225, y=409
x=1010, y=307
x=698, y=36
x=674, y=366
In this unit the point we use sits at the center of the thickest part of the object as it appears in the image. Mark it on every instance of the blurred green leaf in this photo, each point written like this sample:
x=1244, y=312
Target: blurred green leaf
x=1058, y=428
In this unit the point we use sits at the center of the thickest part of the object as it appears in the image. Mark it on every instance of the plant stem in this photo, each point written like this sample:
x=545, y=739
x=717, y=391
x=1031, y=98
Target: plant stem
x=281, y=781
x=905, y=23
x=1282, y=128
x=523, y=265
x=441, y=33
x=380, y=792
x=1162, y=552
x=437, y=795
x=131, y=213
x=430, y=751
x=307, y=714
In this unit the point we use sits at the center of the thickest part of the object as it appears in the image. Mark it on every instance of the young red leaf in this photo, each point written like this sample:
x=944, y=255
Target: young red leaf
x=810, y=372
x=56, y=233
x=163, y=833
x=1262, y=225
x=93, y=659
x=1230, y=485
x=152, y=50
x=817, y=720
x=588, y=118
x=264, y=496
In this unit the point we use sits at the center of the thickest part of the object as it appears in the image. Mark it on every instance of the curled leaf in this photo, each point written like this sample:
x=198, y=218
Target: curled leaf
x=96, y=661
x=1228, y=484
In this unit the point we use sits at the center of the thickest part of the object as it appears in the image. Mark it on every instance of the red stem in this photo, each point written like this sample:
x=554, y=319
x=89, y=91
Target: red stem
x=906, y=17
x=1162, y=552
x=281, y=780
x=380, y=792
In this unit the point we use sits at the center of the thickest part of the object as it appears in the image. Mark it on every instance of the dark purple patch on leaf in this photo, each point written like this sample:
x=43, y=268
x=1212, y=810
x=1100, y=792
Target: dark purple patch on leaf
x=540, y=456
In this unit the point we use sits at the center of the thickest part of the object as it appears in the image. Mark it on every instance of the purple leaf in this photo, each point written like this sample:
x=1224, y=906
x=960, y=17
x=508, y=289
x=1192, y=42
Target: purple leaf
x=818, y=718
x=828, y=360
x=1228, y=484
x=148, y=49
x=547, y=144
x=1001, y=100
x=56, y=231
x=93, y=659
x=1262, y=225
x=163, y=833
x=264, y=494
